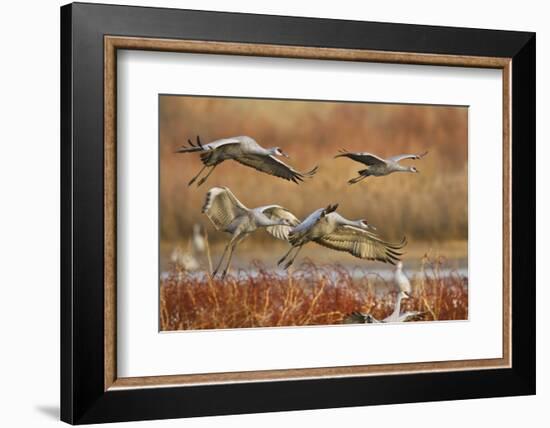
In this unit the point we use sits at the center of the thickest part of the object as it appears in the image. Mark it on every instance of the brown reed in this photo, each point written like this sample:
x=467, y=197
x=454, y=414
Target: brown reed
x=309, y=295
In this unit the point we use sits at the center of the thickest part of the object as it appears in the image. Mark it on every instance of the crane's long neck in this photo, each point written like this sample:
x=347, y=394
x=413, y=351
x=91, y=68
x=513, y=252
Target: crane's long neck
x=402, y=168
x=397, y=309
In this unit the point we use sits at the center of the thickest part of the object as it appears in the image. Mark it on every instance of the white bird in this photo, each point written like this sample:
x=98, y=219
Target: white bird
x=198, y=243
x=228, y=214
x=404, y=289
x=329, y=229
x=401, y=281
x=376, y=166
x=396, y=316
x=183, y=259
x=246, y=151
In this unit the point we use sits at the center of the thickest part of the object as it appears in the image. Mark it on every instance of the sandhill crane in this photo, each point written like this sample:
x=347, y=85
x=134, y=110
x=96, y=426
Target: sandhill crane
x=246, y=151
x=188, y=260
x=184, y=260
x=328, y=228
x=396, y=316
x=198, y=244
x=376, y=166
x=228, y=214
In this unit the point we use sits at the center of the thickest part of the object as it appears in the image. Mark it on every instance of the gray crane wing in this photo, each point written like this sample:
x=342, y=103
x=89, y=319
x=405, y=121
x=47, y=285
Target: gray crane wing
x=405, y=317
x=409, y=156
x=198, y=147
x=276, y=212
x=362, y=157
x=359, y=318
x=273, y=166
x=221, y=206
x=362, y=244
x=221, y=143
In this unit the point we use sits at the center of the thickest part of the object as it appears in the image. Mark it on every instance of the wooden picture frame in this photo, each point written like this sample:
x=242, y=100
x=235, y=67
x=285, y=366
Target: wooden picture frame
x=91, y=390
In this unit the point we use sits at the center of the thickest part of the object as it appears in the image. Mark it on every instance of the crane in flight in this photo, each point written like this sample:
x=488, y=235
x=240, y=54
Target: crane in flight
x=377, y=166
x=229, y=215
x=246, y=151
x=329, y=229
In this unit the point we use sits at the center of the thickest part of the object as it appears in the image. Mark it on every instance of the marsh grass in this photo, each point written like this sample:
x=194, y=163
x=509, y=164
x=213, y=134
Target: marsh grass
x=309, y=295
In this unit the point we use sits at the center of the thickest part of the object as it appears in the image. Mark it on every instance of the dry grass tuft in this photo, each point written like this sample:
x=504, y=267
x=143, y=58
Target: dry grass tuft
x=308, y=295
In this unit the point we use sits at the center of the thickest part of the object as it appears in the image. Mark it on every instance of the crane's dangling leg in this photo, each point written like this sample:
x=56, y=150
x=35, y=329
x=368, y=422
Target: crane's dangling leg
x=237, y=241
x=357, y=179
x=223, y=255
x=287, y=265
x=220, y=261
x=202, y=180
x=282, y=259
x=196, y=176
x=233, y=241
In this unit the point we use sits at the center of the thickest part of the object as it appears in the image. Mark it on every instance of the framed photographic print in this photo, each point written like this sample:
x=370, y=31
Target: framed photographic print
x=265, y=213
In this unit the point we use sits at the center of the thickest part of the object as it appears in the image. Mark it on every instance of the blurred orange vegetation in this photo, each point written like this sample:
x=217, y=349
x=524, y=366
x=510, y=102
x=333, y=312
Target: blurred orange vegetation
x=310, y=295
x=430, y=206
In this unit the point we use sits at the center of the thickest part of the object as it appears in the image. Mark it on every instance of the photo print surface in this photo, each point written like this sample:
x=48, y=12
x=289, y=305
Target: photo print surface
x=279, y=213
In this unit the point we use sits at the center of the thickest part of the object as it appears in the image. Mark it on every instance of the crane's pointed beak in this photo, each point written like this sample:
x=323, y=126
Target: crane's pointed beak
x=284, y=154
x=367, y=225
